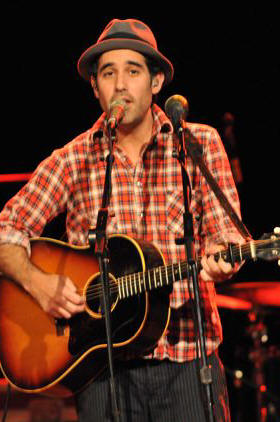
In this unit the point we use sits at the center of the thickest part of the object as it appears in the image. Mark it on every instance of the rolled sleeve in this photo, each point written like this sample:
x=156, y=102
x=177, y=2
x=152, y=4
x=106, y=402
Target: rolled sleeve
x=15, y=237
x=37, y=203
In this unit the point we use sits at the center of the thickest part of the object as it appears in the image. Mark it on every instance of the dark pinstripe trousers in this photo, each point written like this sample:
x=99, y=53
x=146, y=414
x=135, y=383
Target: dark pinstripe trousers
x=152, y=391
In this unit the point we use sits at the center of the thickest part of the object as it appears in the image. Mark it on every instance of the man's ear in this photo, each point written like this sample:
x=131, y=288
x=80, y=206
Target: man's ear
x=93, y=83
x=157, y=83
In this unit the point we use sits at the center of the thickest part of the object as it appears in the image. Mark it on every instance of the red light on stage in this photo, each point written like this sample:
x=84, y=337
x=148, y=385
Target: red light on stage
x=264, y=413
x=17, y=177
x=252, y=316
x=263, y=388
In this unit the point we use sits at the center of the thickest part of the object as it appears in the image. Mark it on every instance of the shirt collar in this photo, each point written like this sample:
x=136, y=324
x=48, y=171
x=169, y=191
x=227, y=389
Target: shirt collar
x=162, y=124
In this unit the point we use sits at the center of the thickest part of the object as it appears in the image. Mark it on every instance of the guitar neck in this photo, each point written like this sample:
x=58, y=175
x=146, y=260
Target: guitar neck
x=137, y=283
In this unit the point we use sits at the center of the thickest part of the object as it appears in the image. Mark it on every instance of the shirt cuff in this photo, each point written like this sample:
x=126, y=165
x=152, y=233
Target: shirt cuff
x=15, y=237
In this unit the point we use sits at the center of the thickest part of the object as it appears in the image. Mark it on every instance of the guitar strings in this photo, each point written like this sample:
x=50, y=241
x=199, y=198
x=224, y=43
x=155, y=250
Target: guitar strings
x=126, y=282
x=97, y=289
x=236, y=253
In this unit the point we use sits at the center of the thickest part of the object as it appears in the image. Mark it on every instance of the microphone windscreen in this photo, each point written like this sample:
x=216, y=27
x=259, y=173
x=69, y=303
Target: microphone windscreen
x=176, y=108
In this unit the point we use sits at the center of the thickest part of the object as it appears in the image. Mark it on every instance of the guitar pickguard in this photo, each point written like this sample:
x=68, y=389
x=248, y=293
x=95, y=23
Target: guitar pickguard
x=88, y=329
x=87, y=332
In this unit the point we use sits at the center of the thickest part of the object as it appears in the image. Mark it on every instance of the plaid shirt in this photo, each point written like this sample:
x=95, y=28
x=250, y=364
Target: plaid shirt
x=146, y=202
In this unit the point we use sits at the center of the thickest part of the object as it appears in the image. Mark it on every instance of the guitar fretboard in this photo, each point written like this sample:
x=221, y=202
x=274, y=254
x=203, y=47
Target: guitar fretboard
x=154, y=278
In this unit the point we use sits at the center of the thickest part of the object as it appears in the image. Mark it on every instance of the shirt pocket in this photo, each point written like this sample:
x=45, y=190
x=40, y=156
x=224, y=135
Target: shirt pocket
x=174, y=211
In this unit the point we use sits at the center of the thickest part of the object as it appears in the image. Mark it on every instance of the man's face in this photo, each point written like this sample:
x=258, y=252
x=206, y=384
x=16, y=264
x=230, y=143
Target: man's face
x=123, y=74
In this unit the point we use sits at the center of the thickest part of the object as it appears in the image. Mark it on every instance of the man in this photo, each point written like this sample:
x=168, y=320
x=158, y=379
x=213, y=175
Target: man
x=147, y=202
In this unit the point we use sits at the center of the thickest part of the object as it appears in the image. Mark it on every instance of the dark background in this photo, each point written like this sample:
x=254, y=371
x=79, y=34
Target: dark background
x=225, y=59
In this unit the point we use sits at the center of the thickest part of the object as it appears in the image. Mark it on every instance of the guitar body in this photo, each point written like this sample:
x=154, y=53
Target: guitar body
x=59, y=357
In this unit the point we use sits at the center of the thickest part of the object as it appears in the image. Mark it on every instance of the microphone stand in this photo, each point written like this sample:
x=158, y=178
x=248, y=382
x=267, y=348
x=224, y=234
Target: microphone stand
x=188, y=242
x=98, y=242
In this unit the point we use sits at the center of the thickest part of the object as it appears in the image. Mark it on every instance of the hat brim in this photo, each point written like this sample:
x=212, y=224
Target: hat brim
x=89, y=56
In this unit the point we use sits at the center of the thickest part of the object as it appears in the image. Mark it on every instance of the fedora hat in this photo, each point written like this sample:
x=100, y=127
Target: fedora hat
x=129, y=34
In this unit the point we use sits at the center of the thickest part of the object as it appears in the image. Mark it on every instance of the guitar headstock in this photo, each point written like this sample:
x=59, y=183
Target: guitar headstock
x=269, y=249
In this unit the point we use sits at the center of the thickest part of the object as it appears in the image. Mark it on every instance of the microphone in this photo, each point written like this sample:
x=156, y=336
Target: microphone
x=116, y=113
x=176, y=108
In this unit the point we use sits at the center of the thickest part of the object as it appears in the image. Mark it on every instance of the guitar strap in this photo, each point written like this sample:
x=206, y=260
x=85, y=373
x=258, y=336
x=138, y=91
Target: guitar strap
x=195, y=151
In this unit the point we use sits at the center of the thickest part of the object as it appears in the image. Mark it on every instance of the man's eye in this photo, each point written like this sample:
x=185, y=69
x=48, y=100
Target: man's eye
x=108, y=73
x=134, y=72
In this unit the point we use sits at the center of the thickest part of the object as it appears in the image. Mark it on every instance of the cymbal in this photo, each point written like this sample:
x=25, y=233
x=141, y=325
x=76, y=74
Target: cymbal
x=234, y=303
x=258, y=293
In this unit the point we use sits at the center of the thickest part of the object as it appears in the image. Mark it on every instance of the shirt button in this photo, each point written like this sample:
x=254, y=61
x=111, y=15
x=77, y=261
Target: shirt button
x=139, y=184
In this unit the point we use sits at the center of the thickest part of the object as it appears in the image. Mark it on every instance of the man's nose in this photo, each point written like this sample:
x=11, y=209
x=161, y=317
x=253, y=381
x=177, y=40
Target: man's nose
x=120, y=82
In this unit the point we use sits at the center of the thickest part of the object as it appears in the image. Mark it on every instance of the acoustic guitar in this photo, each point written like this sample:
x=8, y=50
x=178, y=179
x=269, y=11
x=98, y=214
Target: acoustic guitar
x=40, y=354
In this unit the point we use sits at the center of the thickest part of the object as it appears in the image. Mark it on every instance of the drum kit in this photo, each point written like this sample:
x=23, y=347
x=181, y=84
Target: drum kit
x=250, y=314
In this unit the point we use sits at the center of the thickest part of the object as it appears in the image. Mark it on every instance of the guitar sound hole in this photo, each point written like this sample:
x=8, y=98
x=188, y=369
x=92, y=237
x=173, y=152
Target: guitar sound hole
x=94, y=296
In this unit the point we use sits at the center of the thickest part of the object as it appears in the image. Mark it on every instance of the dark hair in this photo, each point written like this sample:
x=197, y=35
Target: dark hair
x=94, y=68
x=153, y=66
